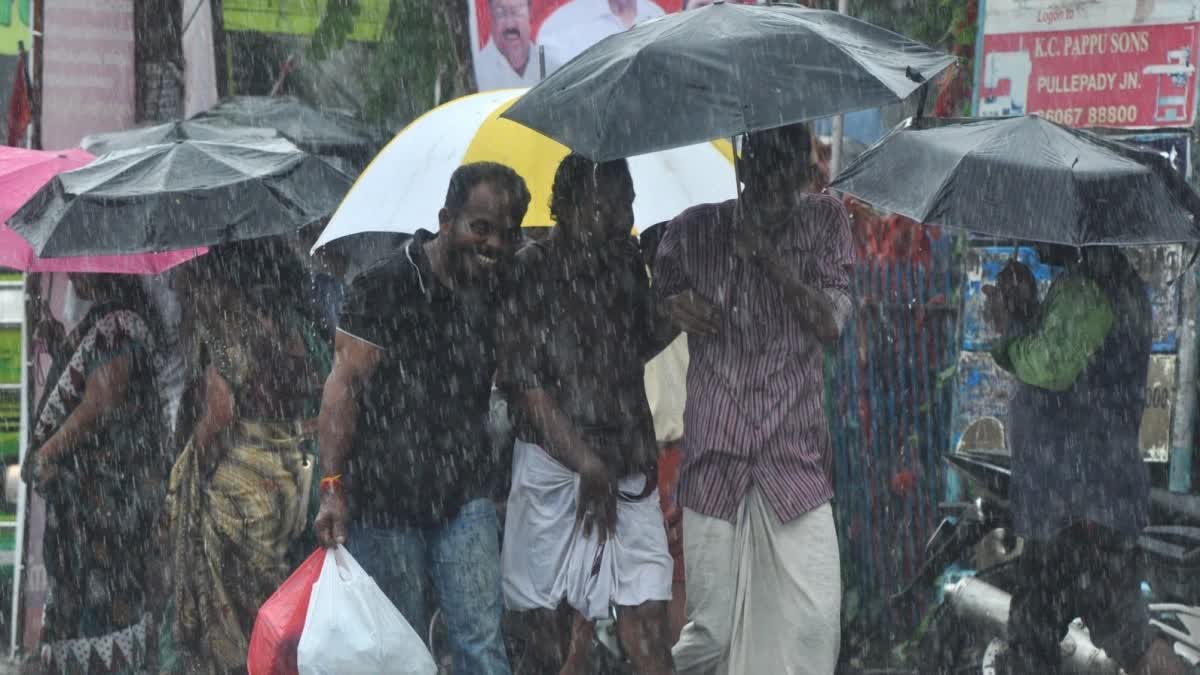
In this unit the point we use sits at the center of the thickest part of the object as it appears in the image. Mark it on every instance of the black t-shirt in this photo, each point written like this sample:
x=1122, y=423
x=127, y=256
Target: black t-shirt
x=420, y=449
x=579, y=325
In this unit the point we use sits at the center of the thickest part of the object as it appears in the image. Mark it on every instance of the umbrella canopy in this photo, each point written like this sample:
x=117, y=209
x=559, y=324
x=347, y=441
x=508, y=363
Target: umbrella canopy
x=406, y=184
x=1025, y=178
x=720, y=71
x=358, y=252
x=196, y=130
x=324, y=132
x=180, y=195
x=22, y=173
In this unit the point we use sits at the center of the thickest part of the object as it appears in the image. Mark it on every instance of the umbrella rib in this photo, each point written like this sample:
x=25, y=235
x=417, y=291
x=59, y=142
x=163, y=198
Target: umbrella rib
x=608, y=108
x=941, y=189
x=842, y=47
x=221, y=160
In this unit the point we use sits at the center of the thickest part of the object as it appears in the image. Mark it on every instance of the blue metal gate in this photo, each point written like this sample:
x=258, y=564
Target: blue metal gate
x=890, y=390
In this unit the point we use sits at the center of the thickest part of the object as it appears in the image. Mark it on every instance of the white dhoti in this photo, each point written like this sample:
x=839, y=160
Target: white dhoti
x=546, y=558
x=762, y=596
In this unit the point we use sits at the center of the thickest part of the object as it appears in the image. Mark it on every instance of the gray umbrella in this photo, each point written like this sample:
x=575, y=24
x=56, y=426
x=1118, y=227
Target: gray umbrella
x=1025, y=178
x=196, y=130
x=180, y=195
x=720, y=71
x=321, y=131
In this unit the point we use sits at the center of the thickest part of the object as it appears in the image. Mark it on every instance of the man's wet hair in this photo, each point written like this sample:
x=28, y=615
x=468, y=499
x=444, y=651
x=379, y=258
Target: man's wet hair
x=794, y=136
x=797, y=138
x=572, y=176
x=467, y=176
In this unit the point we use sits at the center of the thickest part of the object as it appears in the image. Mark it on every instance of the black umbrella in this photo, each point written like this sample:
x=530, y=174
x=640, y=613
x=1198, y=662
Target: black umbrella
x=196, y=130
x=360, y=251
x=720, y=71
x=180, y=195
x=321, y=131
x=1025, y=178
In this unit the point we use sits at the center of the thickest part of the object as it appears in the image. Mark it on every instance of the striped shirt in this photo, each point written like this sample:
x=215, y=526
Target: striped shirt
x=755, y=410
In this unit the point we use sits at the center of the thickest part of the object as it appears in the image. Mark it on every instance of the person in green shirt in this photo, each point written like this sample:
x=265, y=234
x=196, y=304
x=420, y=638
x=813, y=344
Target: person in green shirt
x=1080, y=490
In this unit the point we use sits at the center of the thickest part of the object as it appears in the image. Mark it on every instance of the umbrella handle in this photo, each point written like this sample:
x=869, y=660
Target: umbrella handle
x=922, y=92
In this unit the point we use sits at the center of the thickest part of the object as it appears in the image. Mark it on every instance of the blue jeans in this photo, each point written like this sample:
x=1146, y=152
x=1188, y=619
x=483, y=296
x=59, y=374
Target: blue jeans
x=462, y=559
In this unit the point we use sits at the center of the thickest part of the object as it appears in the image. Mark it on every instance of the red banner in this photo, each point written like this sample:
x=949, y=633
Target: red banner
x=1131, y=77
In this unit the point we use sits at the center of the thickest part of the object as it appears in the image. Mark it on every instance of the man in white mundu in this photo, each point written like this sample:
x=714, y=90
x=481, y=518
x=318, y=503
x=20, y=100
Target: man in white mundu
x=583, y=524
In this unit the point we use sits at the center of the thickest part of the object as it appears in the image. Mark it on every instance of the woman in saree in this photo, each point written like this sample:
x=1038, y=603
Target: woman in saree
x=101, y=469
x=239, y=489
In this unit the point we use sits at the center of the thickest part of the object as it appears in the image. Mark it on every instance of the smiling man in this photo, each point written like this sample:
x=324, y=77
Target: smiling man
x=404, y=449
x=509, y=58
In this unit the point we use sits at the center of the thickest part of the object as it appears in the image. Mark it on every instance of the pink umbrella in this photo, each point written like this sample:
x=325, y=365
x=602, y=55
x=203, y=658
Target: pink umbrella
x=22, y=173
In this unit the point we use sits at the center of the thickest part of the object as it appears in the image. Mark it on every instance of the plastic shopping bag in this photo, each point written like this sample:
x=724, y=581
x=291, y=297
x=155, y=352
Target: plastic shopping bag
x=280, y=621
x=353, y=628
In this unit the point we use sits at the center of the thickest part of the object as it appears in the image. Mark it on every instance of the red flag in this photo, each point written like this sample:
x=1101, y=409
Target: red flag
x=20, y=108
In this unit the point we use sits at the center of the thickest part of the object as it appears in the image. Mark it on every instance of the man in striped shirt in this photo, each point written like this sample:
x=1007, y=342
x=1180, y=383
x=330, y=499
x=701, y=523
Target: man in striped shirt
x=760, y=285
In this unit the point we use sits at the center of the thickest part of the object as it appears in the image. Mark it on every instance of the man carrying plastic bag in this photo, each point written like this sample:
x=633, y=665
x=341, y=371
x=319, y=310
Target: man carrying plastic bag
x=351, y=627
x=403, y=418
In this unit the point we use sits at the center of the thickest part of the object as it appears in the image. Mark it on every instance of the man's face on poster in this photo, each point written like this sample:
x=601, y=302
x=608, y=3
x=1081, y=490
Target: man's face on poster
x=511, y=31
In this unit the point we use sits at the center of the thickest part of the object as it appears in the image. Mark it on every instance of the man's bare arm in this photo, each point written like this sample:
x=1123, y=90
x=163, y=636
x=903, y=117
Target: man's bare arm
x=354, y=362
x=597, y=507
x=566, y=444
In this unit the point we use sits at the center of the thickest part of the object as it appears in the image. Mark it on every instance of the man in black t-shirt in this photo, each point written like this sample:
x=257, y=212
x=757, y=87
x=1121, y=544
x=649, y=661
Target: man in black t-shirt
x=404, y=449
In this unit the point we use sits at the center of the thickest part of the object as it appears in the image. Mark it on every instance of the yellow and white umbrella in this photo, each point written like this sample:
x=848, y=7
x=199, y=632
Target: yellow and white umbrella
x=405, y=186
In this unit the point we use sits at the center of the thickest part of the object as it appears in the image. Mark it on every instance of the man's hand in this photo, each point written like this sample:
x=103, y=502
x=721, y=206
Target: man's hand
x=47, y=467
x=597, y=503
x=1012, y=301
x=673, y=521
x=623, y=248
x=332, y=519
x=693, y=314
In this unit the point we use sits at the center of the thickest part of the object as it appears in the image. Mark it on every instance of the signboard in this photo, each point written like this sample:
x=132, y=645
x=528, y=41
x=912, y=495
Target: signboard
x=1094, y=63
x=14, y=29
x=1036, y=16
x=87, y=70
x=300, y=17
x=508, y=36
x=15, y=19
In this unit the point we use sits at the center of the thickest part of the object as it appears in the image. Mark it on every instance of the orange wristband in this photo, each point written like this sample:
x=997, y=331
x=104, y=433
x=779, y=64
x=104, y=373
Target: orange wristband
x=331, y=484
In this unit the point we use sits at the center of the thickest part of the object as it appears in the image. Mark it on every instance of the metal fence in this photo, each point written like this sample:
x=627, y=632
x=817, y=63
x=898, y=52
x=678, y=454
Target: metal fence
x=890, y=390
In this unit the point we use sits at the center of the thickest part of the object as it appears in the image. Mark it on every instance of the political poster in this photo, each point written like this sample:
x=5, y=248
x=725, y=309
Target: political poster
x=1090, y=63
x=510, y=37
